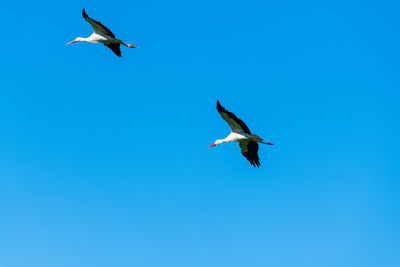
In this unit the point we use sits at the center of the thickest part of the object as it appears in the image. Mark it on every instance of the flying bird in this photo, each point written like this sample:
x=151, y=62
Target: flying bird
x=102, y=35
x=240, y=133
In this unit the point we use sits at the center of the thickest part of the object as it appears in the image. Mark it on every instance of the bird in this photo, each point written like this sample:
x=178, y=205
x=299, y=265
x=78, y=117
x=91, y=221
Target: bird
x=240, y=133
x=102, y=35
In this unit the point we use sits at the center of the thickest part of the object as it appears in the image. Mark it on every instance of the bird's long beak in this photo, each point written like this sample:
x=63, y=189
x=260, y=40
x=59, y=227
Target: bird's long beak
x=71, y=42
x=211, y=146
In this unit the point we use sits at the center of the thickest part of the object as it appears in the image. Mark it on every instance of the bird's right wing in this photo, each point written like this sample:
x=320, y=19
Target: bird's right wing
x=236, y=124
x=115, y=48
x=97, y=26
x=250, y=152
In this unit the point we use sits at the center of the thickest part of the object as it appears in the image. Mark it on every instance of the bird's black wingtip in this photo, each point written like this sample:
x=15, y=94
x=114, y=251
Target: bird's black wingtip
x=84, y=13
x=219, y=107
x=255, y=163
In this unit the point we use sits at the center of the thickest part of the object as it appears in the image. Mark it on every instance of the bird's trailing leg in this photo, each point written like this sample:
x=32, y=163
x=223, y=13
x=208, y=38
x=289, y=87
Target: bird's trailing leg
x=258, y=139
x=268, y=143
x=129, y=45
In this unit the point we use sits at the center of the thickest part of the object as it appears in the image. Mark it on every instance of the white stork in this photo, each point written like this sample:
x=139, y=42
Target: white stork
x=102, y=35
x=240, y=133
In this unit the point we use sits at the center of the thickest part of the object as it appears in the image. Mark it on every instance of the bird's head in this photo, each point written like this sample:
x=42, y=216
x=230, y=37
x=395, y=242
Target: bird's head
x=77, y=39
x=217, y=142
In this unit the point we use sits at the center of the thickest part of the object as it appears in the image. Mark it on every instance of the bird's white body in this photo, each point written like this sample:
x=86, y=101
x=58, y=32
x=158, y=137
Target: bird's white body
x=240, y=137
x=97, y=38
x=237, y=137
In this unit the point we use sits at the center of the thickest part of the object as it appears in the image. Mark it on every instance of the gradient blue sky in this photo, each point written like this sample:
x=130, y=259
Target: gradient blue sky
x=103, y=160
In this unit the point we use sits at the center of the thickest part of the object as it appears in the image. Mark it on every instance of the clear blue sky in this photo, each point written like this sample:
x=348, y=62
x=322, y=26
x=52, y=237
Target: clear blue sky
x=103, y=160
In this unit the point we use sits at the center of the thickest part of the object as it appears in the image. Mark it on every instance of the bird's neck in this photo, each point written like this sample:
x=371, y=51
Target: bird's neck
x=82, y=39
x=227, y=139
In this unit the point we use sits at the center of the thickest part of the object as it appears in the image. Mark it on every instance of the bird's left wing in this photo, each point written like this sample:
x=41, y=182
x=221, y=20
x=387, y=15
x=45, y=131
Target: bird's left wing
x=115, y=48
x=97, y=26
x=236, y=124
x=250, y=152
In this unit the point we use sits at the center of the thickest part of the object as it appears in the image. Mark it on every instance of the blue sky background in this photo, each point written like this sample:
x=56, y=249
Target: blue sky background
x=103, y=160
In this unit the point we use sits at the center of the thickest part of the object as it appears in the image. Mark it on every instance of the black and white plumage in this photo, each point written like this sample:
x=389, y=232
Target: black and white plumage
x=240, y=133
x=102, y=35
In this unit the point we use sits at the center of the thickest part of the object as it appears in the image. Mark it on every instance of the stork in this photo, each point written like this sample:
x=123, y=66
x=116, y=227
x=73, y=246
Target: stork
x=240, y=133
x=102, y=35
